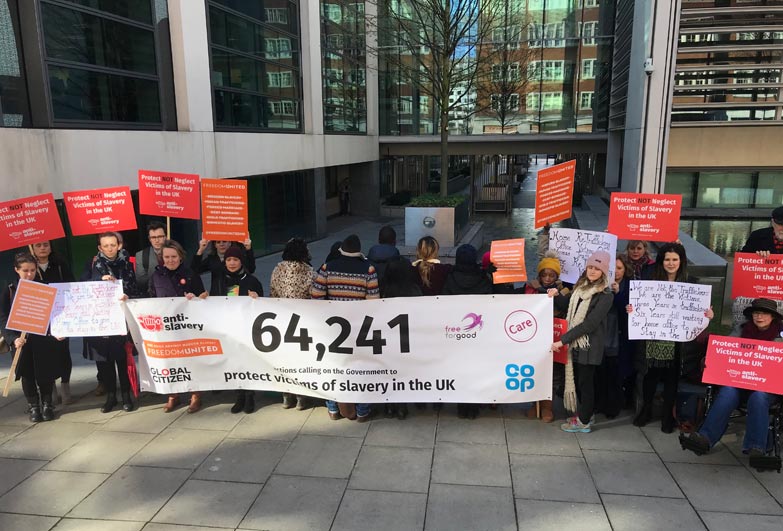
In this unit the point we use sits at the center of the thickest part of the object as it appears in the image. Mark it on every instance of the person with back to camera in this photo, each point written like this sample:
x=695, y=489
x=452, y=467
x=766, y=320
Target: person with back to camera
x=764, y=323
x=384, y=252
x=431, y=274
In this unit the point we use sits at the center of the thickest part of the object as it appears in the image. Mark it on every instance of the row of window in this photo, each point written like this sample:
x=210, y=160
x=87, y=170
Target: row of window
x=540, y=35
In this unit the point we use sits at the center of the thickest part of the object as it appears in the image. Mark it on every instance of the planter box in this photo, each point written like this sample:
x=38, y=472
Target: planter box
x=445, y=224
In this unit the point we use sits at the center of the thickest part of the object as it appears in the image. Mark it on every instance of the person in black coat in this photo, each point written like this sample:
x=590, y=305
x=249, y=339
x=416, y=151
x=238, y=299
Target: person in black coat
x=212, y=261
x=768, y=240
x=36, y=367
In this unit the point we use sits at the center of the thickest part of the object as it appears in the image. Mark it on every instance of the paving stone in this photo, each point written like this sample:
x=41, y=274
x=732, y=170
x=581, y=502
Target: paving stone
x=101, y=451
x=319, y=423
x=242, y=460
x=361, y=510
x=539, y=514
x=87, y=410
x=477, y=431
x=174, y=527
x=669, y=449
x=290, y=503
x=417, y=431
x=46, y=440
x=50, y=493
x=554, y=478
x=151, y=420
x=773, y=482
x=14, y=471
x=75, y=524
x=272, y=423
x=451, y=507
x=531, y=437
x=392, y=469
x=211, y=417
x=209, y=503
x=320, y=456
x=26, y=522
x=131, y=493
x=471, y=464
x=9, y=432
x=175, y=448
x=640, y=512
x=731, y=522
x=623, y=437
x=639, y=473
x=14, y=412
x=724, y=488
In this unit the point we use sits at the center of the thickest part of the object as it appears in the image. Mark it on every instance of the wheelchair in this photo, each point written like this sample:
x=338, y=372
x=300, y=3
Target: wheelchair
x=769, y=461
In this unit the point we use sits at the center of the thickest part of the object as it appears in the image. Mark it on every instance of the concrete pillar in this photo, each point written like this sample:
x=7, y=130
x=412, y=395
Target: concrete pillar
x=312, y=91
x=190, y=62
x=371, y=12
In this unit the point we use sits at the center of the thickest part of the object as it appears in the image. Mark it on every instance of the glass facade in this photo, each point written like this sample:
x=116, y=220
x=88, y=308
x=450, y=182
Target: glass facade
x=729, y=61
x=14, y=105
x=255, y=58
x=343, y=66
x=544, y=66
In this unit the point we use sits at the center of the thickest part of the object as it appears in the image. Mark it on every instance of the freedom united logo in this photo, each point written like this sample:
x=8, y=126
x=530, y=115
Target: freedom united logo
x=468, y=329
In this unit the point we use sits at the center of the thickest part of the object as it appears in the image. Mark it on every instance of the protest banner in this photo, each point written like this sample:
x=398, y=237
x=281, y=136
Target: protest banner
x=508, y=257
x=574, y=247
x=554, y=193
x=29, y=220
x=755, y=276
x=96, y=211
x=224, y=209
x=468, y=348
x=560, y=355
x=88, y=309
x=169, y=194
x=745, y=363
x=669, y=311
x=652, y=217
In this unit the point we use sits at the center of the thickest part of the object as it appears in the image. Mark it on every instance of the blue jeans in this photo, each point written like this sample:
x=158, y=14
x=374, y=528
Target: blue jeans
x=362, y=410
x=756, y=424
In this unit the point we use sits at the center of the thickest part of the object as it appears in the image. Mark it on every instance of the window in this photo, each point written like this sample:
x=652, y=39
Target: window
x=535, y=35
x=589, y=31
x=507, y=36
x=554, y=35
x=332, y=12
x=588, y=3
x=285, y=107
x=278, y=48
x=549, y=101
x=546, y=70
x=533, y=101
x=276, y=15
x=506, y=72
x=585, y=100
x=333, y=77
x=405, y=105
x=283, y=79
x=505, y=103
x=588, y=68
x=424, y=104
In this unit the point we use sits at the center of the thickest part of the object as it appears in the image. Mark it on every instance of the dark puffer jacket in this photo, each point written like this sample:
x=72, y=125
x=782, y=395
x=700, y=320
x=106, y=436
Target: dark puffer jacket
x=175, y=283
x=467, y=280
x=241, y=278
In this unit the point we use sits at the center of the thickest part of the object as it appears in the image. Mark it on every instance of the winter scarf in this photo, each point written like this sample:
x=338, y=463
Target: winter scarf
x=120, y=268
x=639, y=264
x=577, y=311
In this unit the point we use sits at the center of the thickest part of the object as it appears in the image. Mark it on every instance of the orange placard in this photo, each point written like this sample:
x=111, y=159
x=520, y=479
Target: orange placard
x=186, y=348
x=508, y=257
x=32, y=308
x=29, y=220
x=96, y=211
x=554, y=193
x=560, y=355
x=168, y=194
x=757, y=276
x=653, y=217
x=224, y=209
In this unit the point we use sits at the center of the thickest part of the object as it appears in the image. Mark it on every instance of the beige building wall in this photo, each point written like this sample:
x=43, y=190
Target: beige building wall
x=753, y=146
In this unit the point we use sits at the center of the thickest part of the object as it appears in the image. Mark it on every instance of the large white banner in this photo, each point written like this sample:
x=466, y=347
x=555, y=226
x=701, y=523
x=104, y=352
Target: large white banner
x=86, y=309
x=471, y=348
x=575, y=246
x=672, y=311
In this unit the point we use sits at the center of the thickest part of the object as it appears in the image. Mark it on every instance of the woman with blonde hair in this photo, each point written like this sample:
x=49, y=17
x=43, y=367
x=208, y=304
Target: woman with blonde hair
x=431, y=274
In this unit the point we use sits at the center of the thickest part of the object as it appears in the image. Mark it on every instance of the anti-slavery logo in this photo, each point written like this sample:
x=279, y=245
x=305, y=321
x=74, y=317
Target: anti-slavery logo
x=469, y=327
x=157, y=323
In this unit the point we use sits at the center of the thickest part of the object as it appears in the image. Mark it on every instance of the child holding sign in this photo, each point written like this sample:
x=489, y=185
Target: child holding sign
x=37, y=367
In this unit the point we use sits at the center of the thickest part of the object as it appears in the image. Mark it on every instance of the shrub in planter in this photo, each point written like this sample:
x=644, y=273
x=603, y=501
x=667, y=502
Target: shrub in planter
x=434, y=200
x=403, y=197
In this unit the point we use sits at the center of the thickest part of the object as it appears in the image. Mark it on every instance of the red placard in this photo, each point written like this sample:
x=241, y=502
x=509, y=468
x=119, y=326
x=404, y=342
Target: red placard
x=29, y=220
x=745, y=363
x=755, y=276
x=224, y=209
x=508, y=257
x=560, y=355
x=32, y=308
x=168, y=194
x=653, y=217
x=554, y=193
x=96, y=211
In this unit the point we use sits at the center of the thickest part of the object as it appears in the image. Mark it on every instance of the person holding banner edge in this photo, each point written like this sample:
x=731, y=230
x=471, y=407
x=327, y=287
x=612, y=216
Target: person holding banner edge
x=37, y=368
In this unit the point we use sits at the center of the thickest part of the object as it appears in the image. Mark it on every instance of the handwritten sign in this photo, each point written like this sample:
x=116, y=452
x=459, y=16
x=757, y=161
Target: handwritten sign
x=169, y=194
x=224, y=209
x=88, y=309
x=508, y=256
x=670, y=311
x=575, y=246
x=654, y=217
x=31, y=308
x=29, y=220
x=554, y=193
x=745, y=363
x=756, y=277
x=96, y=211
x=560, y=355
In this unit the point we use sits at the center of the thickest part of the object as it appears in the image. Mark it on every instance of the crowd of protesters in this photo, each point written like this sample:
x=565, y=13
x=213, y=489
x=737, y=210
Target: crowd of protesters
x=605, y=372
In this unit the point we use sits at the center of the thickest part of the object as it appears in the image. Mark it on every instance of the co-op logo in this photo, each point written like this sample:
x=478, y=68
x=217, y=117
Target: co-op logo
x=520, y=377
x=520, y=326
x=467, y=329
x=157, y=323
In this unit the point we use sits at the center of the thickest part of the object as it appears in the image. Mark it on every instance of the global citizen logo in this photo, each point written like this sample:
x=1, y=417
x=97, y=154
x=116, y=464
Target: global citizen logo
x=520, y=326
x=157, y=323
x=468, y=329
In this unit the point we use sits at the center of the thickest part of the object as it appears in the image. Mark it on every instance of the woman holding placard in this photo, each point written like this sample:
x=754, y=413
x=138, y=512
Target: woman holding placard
x=173, y=279
x=36, y=367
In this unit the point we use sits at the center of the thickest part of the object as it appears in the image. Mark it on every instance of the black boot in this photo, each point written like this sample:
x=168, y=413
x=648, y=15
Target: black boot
x=111, y=401
x=35, y=412
x=644, y=416
x=250, y=402
x=289, y=400
x=47, y=412
x=239, y=403
x=127, y=403
x=301, y=403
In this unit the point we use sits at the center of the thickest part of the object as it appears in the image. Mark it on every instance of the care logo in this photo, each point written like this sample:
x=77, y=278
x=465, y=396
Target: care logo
x=520, y=326
x=468, y=328
x=157, y=323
